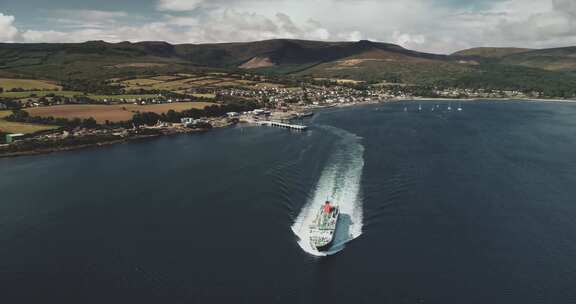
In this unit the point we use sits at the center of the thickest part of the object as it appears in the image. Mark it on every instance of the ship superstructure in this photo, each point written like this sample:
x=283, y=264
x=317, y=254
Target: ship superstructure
x=323, y=228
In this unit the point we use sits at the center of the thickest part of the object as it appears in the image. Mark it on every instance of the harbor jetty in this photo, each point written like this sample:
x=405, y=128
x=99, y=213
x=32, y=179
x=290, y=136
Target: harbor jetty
x=282, y=125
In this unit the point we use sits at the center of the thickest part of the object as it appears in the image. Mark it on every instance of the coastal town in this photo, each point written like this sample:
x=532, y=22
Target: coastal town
x=272, y=103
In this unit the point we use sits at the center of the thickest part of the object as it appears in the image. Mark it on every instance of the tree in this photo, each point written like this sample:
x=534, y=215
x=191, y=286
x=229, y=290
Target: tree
x=89, y=123
x=19, y=115
x=172, y=116
x=146, y=118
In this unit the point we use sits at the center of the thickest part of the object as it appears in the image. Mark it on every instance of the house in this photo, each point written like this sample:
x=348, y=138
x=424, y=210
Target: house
x=187, y=121
x=232, y=114
x=10, y=138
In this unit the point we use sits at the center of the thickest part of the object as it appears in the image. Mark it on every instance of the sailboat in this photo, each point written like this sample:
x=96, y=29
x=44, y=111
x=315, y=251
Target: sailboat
x=449, y=107
x=459, y=108
x=419, y=107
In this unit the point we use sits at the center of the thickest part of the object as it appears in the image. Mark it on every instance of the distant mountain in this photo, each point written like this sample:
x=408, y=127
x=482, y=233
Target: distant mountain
x=490, y=52
x=556, y=59
x=362, y=60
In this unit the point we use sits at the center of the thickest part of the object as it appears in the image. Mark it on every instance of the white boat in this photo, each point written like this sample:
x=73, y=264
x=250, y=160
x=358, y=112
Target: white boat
x=323, y=228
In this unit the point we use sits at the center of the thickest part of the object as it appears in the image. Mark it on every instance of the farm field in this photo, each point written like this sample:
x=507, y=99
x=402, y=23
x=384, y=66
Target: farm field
x=25, y=128
x=27, y=94
x=16, y=127
x=27, y=84
x=112, y=113
x=34, y=94
x=183, y=82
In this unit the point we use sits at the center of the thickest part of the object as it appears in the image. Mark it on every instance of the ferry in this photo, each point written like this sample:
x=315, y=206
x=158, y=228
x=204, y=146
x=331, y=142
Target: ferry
x=323, y=228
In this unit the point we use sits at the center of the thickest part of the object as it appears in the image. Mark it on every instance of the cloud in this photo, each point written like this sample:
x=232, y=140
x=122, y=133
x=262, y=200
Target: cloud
x=537, y=24
x=86, y=19
x=440, y=26
x=233, y=25
x=567, y=6
x=179, y=5
x=8, y=32
x=408, y=40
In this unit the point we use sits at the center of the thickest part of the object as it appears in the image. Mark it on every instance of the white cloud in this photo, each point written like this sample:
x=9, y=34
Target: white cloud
x=86, y=18
x=408, y=40
x=435, y=26
x=8, y=31
x=179, y=5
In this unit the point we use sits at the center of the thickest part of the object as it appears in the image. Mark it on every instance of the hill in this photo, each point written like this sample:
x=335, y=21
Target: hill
x=490, y=52
x=557, y=59
x=362, y=60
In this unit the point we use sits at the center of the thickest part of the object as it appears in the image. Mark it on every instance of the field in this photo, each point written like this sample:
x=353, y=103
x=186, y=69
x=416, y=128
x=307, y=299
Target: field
x=16, y=127
x=112, y=113
x=27, y=84
x=33, y=94
x=183, y=82
x=20, y=95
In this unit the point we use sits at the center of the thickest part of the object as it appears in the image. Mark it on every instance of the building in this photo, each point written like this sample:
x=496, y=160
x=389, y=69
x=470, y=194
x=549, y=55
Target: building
x=10, y=138
x=187, y=121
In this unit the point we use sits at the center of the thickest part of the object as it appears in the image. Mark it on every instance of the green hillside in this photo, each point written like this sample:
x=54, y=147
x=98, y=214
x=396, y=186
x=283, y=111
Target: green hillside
x=363, y=60
x=490, y=52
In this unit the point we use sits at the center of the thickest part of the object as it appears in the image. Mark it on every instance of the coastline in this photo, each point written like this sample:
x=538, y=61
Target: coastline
x=169, y=132
x=490, y=99
x=101, y=144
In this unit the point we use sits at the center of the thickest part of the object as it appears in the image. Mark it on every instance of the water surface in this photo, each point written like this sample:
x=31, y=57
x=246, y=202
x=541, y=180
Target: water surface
x=440, y=206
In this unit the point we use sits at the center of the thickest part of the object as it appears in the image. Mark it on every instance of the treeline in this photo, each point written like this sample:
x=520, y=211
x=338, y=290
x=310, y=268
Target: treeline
x=23, y=116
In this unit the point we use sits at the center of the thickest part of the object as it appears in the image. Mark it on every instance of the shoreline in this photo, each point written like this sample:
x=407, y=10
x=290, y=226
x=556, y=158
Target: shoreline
x=489, y=99
x=132, y=138
x=102, y=144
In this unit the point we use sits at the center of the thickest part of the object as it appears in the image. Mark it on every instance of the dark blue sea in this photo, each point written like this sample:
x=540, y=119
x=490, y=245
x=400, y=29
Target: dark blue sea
x=438, y=206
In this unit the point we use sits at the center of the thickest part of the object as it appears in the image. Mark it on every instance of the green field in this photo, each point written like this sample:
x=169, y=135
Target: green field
x=16, y=127
x=119, y=97
x=210, y=96
x=27, y=84
x=34, y=94
x=20, y=95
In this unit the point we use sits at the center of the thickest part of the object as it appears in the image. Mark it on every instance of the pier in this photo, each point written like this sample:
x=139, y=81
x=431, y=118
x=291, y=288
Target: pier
x=283, y=125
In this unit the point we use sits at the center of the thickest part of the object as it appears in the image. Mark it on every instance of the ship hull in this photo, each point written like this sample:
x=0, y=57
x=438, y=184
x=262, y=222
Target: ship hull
x=324, y=247
x=323, y=231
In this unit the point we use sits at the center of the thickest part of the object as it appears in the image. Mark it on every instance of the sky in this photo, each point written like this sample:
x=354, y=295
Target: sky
x=437, y=26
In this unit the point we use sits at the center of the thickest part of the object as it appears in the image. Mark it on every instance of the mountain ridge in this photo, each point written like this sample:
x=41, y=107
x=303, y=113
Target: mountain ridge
x=361, y=60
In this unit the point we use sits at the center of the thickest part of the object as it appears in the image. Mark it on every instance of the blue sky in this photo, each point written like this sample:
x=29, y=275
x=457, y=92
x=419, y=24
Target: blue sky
x=429, y=25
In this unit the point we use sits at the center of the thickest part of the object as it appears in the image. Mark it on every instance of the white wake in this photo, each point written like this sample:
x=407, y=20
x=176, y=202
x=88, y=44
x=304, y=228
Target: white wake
x=340, y=183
